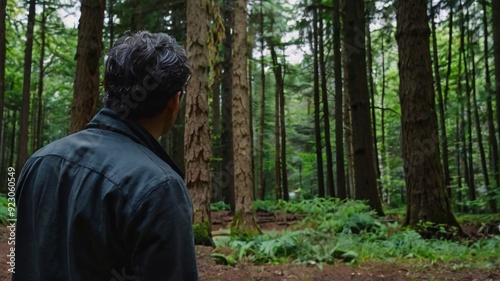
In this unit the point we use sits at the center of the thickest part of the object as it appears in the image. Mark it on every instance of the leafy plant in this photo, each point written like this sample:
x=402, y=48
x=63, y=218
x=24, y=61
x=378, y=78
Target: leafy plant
x=347, y=231
x=3, y=209
x=219, y=206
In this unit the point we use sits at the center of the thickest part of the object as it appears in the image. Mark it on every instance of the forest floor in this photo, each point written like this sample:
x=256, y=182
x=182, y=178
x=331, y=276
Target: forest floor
x=245, y=270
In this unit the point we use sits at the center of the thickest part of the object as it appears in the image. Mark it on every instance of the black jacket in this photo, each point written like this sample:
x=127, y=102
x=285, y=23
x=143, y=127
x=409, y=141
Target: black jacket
x=106, y=203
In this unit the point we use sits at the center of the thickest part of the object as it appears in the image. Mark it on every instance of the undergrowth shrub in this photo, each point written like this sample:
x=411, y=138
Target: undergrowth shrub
x=347, y=231
x=3, y=209
x=219, y=206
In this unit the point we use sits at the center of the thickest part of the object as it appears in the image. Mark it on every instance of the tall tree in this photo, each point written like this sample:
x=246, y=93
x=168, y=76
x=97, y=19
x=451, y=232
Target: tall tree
x=371, y=87
x=317, y=107
x=41, y=76
x=111, y=23
x=427, y=196
x=339, y=127
x=88, y=56
x=244, y=218
x=330, y=184
x=28, y=55
x=262, y=190
x=495, y=10
x=442, y=117
x=494, y=156
x=197, y=128
x=3, y=50
x=479, y=135
x=227, y=179
x=365, y=183
x=468, y=109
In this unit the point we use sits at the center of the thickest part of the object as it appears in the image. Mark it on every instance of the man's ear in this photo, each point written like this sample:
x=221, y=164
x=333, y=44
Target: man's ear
x=175, y=100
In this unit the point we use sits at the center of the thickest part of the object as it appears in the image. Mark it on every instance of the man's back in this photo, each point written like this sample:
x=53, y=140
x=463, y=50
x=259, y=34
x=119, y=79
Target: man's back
x=103, y=203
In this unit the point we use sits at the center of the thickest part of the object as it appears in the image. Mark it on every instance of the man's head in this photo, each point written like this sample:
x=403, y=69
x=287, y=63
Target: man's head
x=143, y=72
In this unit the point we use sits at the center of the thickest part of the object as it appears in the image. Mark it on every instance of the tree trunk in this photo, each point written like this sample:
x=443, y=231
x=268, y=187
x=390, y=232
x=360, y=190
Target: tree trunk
x=492, y=140
x=495, y=9
x=362, y=139
x=479, y=135
x=348, y=133
x=317, y=110
x=442, y=117
x=382, y=118
x=13, y=138
x=449, y=58
x=372, y=107
x=244, y=218
x=461, y=134
x=262, y=190
x=28, y=54
x=41, y=75
x=339, y=128
x=197, y=129
x=227, y=177
x=427, y=196
x=111, y=24
x=284, y=172
x=88, y=56
x=468, y=110
x=277, y=145
x=216, y=132
x=3, y=50
x=458, y=161
x=136, y=23
x=330, y=183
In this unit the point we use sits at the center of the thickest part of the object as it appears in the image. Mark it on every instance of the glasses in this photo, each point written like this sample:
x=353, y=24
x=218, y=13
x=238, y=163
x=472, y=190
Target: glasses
x=183, y=90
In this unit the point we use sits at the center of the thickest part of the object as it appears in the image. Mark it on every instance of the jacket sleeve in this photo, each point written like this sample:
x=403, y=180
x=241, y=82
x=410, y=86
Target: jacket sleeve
x=159, y=235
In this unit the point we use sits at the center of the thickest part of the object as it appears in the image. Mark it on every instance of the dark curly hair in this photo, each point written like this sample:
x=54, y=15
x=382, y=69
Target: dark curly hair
x=142, y=72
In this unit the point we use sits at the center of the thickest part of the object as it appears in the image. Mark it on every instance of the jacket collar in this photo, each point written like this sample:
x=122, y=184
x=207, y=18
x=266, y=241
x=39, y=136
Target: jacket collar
x=109, y=120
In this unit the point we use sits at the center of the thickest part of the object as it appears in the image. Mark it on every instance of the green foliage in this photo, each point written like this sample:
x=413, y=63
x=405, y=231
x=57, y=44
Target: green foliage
x=4, y=214
x=478, y=218
x=346, y=231
x=201, y=232
x=219, y=206
x=267, y=205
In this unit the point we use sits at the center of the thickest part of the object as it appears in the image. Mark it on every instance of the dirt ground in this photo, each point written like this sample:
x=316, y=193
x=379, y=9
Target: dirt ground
x=243, y=271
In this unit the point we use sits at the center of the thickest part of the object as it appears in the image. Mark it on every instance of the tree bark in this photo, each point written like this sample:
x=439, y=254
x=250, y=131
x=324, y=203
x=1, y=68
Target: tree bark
x=216, y=132
x=468, y=110
x=262, y=190
x=277, y=135
x=339, y=128
x=197, y=128
x=41, y=75
x=372, y=107
x=3, y=51
x=427, y=196
x=317, y=109
x=13, y=138
x=111, y=24
x=495, y=9
x=284, y=171
x=449, y=58
x=244, y=218
x=330, y=183
x=28, y=54
x=442, y=117
x=88, y=56
x=362, y=139
x=227, y=177
x=492, y=140
x=348, y=132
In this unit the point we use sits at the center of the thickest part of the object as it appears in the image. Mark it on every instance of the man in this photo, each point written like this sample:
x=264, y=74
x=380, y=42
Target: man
x=108, y=203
